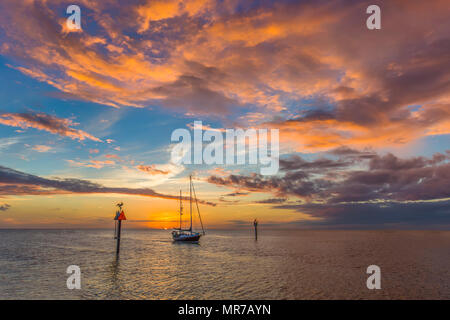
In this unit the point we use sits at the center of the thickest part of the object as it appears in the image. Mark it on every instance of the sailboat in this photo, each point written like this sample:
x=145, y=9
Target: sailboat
x=180, y=234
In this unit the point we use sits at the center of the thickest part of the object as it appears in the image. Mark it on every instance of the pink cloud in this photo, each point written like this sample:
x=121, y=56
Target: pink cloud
x=112, y=156
x=151, y=169
x=97, y=164
x=41, y=148
x=219, y=56
x=46, y=122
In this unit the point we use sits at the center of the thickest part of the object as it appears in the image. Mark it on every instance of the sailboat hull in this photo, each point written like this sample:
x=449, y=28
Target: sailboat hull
x=186, y=236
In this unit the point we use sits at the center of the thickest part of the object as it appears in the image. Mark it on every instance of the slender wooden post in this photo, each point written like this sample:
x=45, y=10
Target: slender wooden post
x=118, y=237
x=120, y=215
x=255, y=224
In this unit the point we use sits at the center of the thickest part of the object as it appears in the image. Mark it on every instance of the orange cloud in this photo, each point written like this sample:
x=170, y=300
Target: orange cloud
x=41, y=148
x=151, y=169
x=113, y=156
x=97, y=164
x=207, y=57
x=314, y=134
x=155, y=10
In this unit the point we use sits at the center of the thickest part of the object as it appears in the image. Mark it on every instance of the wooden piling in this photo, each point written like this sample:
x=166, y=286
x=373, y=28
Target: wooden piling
x=120, y=215
x=118, y=237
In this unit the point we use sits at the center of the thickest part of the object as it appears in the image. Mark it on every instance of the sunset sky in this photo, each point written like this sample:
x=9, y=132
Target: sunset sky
x=86, y=116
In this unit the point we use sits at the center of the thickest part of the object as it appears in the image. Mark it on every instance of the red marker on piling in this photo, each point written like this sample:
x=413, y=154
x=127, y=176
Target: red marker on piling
x=120, y=215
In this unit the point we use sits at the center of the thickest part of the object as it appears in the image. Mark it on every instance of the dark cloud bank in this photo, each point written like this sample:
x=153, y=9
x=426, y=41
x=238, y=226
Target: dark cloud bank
x=351, y=188
x=13, y=182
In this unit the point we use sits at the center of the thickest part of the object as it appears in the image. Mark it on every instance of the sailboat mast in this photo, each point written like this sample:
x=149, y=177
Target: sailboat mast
x=198, y=210
x=181, y=209
x=190, y=198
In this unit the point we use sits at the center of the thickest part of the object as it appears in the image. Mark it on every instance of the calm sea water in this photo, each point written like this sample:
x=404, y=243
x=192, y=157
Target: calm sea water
x=225, y=265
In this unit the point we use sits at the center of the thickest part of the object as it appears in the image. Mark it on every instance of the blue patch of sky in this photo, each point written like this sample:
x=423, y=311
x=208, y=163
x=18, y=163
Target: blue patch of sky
x=134, y=130
x=414, y=107
x=301, y=107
